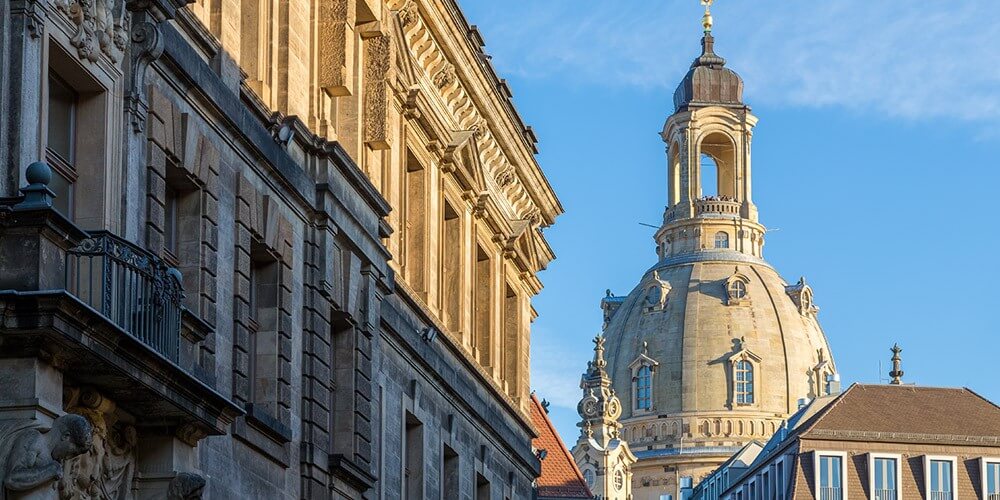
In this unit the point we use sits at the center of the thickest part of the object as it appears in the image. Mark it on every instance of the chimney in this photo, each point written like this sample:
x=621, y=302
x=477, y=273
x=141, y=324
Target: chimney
x=833, y=384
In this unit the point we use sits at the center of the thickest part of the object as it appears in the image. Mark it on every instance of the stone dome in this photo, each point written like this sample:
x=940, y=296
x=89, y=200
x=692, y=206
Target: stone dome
x=690, y=322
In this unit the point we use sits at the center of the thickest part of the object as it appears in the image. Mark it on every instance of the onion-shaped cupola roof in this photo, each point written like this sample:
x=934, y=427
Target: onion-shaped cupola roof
x=709, y=82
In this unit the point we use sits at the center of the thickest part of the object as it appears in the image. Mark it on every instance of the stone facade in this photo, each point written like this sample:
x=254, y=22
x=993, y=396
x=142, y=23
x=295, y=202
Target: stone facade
x=276, y=250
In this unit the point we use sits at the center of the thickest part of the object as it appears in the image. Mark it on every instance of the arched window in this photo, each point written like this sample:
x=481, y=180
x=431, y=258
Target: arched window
x=743, y=378
x=721, y=239
x=643, y=393
x=588, y=476
x=709, y=177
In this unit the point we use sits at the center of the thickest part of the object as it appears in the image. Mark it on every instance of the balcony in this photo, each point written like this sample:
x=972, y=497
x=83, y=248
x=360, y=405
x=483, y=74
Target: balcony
x=131, y=287
x=98, y=312
x=830, y=493
x=714, y=205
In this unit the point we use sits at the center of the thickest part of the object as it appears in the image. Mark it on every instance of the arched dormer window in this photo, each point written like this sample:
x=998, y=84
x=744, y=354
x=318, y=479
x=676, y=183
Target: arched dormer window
x=721, y=239
x=737, y=291
x=743, y=379
x=643, y=388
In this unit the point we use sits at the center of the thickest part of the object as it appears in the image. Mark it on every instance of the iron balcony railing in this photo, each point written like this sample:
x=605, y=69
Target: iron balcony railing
x=131, y=287
x=885, y=494
x=830, y=493
x=940, y=495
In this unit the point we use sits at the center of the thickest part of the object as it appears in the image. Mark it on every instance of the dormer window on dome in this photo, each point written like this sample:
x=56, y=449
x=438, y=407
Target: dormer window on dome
x=737, y=289
x=743, y=368
x=655, y=298
x=643, y=370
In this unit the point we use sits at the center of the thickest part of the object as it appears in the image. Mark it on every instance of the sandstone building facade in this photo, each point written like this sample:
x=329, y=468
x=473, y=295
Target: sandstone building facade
x=277, y=249
x=713, y=348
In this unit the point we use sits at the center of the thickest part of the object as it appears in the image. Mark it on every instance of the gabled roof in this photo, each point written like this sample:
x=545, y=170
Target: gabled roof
x=894, y=412
x=560, y=478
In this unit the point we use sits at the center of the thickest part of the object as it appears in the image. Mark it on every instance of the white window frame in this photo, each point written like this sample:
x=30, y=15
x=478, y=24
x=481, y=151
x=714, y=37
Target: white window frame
x=899, y=473
x=780, y=472
x=983, y=462
x=927, y=474
x=843, y=470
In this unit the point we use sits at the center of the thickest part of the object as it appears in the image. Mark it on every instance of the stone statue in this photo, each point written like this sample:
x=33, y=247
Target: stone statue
x=186, y=486
x=106, y=470
x=31, y=458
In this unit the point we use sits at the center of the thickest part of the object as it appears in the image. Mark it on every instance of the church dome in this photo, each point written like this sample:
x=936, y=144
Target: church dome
x=724, y=337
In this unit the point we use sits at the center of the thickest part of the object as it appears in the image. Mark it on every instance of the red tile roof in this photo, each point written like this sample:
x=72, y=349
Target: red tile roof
x=560, y=478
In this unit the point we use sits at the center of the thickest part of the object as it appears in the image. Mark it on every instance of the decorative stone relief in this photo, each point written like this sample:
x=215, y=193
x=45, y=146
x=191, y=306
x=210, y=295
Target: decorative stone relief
x=505, y=176
x=408, y=14
x=377, y=57
x=101, y=27
x=336, y=21
x=32, y=457
x=186, y=486
x=446, y=76
x=106, y=470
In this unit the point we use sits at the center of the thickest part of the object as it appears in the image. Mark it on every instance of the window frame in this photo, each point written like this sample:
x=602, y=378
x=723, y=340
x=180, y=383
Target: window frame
x=984, y=462
x=648, y=387
x=899, y=473
x=725, y=239
x=737, y=383
x=817, y=456
x=927, y=474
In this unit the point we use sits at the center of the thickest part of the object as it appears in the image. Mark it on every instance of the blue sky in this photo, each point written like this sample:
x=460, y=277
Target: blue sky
x=875, y=166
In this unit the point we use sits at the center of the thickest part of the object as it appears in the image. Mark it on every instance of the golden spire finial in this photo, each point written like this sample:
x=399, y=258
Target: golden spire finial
x=706, y=20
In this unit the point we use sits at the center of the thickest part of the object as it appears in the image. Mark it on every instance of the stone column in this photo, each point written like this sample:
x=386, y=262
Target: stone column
x=25, y=58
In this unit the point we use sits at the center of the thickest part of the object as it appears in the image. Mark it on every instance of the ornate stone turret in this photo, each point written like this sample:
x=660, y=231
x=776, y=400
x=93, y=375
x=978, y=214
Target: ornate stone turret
x=604, y=459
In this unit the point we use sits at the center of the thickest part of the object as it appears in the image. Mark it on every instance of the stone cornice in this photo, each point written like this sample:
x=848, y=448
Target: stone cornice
x=475, y=103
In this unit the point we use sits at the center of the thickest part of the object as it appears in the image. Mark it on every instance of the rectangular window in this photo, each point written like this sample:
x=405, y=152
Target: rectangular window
x=413, y=470
x=450, y=476
x=991, y=479
x=767, y=485
x=415, y=225
x=830, y=477
x=482, y=487
x=779, y=479
x=60, y=151
x=451, y=261
x=263, y=369
x=884, y=470
x=171, y=214
x=939, y=479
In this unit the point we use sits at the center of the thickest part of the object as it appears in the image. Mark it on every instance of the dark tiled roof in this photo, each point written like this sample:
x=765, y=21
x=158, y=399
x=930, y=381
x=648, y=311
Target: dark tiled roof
x=904, y=409
x=560, y=478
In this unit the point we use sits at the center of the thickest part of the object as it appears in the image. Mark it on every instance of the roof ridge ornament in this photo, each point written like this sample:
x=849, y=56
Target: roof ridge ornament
x=897, y=368
x=706, y=20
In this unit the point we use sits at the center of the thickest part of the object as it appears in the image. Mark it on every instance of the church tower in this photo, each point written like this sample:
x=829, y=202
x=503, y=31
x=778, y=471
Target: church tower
x=602, y=456
x=712, y=349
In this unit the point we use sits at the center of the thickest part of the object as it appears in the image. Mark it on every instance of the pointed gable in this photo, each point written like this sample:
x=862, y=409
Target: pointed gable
x=560, y=476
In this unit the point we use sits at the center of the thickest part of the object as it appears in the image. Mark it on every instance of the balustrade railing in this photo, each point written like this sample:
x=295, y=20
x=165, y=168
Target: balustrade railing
x=130, y=286
x=830, y=493
x=885, y=494
x=716, y=206
x=940, y=495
